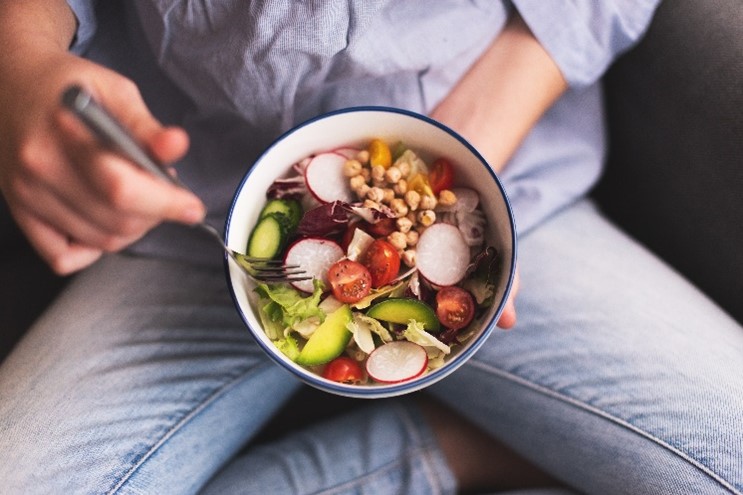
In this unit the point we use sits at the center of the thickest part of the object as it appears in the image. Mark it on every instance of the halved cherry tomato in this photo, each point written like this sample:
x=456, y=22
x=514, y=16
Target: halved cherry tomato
x=349, y=280
x=383, y=262
x=441, y=175
x=343, y=369
x=455, y=307
x=379, y=153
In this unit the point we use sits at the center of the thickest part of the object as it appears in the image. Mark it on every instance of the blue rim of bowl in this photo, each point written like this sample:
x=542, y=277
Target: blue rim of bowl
x=384, y=390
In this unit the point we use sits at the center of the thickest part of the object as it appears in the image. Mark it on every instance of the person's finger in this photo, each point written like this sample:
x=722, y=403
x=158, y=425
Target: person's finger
x=63, y=255
x=507, y=318
x=121, y=188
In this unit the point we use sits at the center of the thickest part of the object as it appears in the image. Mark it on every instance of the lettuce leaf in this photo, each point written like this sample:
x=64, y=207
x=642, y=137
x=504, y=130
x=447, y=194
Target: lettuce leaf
x=284, y=306
x=415, y=333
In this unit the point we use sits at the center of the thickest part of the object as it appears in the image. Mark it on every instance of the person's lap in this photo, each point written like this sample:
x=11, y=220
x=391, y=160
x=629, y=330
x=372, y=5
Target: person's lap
x=617, y=378
x=140, y=376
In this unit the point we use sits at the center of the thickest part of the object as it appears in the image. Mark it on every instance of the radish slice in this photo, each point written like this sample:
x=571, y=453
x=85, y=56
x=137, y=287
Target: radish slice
x=325, y=180
x=396, y=361
x=348, y=153
x=442, y=255
x=314, y=256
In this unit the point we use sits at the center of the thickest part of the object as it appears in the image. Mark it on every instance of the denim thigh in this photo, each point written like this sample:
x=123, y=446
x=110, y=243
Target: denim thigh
x=619, y=377
x=140, y=379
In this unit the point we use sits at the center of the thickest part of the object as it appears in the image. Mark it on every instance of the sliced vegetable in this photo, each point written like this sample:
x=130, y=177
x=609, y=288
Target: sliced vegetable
x=455, y=307
x=442, y=255
x=314, y=256
x=325, y=179
x=347, y=152
x=441, y=175
x=290, y=208
x=268, y=237
x=343, y=369
x=402, y=310
x=379, y=153
x=349, y=280
x=383, y=262
x=396, y=362
x=329, y=340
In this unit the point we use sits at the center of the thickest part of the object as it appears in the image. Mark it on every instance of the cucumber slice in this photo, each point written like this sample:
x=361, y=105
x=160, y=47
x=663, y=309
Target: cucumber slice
x=289, y=208
x=268, y=238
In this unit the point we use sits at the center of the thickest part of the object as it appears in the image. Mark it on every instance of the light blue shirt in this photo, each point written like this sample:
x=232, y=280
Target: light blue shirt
x=235, y=74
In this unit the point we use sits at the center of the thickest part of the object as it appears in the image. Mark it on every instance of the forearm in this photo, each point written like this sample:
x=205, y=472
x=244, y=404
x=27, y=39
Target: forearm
x=503, y=95
x=48, y=23
x=30, y=31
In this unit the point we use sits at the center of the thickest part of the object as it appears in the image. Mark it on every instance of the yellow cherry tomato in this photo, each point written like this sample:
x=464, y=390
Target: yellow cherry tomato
x=419, y=183
x=379, y=153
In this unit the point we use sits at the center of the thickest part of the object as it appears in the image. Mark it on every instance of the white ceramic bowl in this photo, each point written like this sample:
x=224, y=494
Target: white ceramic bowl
x=356, y=126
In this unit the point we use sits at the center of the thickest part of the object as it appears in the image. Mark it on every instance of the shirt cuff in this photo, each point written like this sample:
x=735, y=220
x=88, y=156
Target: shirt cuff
x=84, y=11
x=584, y=36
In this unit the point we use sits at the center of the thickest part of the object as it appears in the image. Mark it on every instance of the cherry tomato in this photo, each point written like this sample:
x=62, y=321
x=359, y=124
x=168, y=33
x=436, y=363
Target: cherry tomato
x=455, y=307
x=441, y=175
x=343, y=369
x=379, y=153
x=383, y=262
x=349, y=280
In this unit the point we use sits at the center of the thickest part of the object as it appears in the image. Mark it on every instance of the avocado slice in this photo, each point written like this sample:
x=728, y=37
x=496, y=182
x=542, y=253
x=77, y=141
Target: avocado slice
x=402, y=310
x=329, y=339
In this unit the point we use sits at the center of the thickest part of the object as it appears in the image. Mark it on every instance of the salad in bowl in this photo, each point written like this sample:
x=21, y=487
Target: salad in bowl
x=406, y=240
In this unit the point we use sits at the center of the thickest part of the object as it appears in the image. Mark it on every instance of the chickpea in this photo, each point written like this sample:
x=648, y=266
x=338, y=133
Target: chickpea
x=393, y=175
x=363, y=156
x=377, y=173
x=426, y=217
x=404, y=168
x=404, y=224
x=401, y=187
x=351, y=168
x=447, y=198
x=412, y=237
x=388, y=195
x=399, y=208
x=408, y=257
x=362, y=191
x=427, y=202
x=375, y=194
x=397, y=239
x=413, y=199
x=356, y=183
x=368, y=203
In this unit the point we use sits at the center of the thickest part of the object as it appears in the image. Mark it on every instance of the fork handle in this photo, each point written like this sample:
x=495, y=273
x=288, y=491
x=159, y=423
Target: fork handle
x=111, y=132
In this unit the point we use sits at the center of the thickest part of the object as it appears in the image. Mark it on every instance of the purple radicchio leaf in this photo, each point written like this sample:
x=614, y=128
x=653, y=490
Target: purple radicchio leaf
x=325, y=220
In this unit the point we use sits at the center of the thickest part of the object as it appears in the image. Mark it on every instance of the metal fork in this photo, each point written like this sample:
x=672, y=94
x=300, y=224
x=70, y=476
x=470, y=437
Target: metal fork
x=115, y=136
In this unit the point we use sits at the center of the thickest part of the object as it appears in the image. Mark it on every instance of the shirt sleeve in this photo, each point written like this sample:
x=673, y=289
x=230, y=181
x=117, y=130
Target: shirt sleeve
x=84, y=11
x=584, y=36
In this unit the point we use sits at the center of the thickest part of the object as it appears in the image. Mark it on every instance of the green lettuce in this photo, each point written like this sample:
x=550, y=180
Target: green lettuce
x=283, y=306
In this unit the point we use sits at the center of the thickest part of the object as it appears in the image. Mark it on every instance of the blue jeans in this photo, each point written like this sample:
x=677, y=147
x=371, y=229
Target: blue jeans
x=619, y=378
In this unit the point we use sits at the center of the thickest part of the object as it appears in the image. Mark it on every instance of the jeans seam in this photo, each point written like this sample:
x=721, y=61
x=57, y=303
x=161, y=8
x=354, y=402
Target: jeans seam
x=595, y=410
x=182, y=422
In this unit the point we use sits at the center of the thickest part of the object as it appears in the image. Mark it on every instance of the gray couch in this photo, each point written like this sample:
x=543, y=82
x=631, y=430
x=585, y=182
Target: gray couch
x=675, y=169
